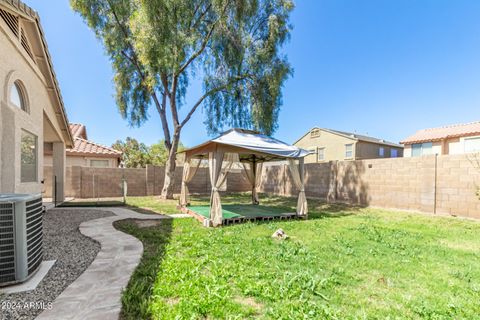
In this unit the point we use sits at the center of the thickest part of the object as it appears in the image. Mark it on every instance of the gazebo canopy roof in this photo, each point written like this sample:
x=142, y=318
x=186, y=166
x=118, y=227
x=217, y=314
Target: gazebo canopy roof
x=250, y=146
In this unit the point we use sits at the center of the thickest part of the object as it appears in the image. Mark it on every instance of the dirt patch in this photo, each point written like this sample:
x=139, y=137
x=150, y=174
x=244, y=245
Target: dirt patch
x=250, y=302
x=148, y=223
x=172, y=301
x=461, y=245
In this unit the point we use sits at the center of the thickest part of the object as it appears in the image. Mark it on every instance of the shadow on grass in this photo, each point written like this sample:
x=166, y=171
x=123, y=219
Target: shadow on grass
x=143, y=210
x=317, y=208
x=92, y=203
x=155, y=235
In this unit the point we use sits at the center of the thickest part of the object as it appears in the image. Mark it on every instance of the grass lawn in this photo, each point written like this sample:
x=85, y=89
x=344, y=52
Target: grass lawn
x=342, y=263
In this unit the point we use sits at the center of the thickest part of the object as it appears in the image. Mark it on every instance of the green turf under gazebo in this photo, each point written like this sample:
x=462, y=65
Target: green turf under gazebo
x=245, y=211
x=249, y=150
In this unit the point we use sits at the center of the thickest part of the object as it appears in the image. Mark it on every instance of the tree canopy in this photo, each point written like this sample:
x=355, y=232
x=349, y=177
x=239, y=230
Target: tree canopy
x=233, y=46
x=158, y=47
x=138, y=155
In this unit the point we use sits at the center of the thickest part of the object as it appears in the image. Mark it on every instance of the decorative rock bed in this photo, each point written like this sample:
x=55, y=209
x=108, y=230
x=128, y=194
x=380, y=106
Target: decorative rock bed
x=73, y=253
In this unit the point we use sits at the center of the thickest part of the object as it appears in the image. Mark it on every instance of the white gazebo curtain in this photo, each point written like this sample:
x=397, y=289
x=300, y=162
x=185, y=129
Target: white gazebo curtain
x=218, y=171
x=298, y=178
x=189, y=169
x=254, y=176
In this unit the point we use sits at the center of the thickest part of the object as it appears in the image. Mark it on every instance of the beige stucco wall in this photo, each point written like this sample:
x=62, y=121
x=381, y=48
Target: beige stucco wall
x=81, y=161
x=334, y=146
x=16, y=65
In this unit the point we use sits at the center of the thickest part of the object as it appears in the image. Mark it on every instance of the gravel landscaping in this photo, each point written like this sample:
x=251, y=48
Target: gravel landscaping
x=73, y=253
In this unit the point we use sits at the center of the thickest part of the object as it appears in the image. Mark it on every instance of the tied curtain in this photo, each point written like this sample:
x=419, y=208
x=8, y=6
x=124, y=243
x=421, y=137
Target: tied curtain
x=189, y=170
x=218, y=173
x=254, y=176
x=298, y=178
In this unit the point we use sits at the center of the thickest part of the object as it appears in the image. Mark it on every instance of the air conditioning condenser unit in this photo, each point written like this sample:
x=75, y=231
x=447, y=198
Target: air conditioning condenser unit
x=21, y=236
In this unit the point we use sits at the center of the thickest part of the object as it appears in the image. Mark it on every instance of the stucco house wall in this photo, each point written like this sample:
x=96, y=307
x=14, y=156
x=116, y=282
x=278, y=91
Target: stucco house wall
x=334, y=146
x=446, y=140
x=367, y=150
x=81, y=161
x=44, y=116
x=15, y=66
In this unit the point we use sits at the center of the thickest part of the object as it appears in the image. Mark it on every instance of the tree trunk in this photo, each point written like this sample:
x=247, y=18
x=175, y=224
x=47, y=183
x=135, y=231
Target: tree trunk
x=169, y=182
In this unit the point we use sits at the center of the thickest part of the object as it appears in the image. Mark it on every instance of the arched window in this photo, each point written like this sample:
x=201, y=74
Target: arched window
x=17, y=96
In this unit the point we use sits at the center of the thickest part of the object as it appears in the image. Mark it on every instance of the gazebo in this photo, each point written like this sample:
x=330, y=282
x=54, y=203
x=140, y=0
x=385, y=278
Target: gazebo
x=250, y=149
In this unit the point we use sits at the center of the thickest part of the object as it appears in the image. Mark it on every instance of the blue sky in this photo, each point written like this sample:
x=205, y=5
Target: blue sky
x=383, y=68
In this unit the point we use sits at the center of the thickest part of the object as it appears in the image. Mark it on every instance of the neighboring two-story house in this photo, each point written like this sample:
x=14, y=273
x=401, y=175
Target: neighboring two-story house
x=31, y=107
x=451, y=139
x=86, y=153
x=328, y=145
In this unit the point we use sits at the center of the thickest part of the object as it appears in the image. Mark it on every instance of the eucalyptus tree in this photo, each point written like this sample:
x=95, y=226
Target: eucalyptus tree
x=158, y=47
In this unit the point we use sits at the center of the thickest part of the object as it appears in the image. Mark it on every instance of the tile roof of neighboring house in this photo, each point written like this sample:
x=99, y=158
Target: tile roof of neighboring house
x=78, y=130
x=440, y=133
x=30, y=14
x=356, y=136
x=87, y=147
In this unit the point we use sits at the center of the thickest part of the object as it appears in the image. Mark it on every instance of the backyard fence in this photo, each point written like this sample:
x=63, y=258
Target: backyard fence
x=434, y=184
x=87, y=182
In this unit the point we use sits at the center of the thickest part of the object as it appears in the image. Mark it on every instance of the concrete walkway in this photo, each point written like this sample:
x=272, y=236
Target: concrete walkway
x=96, y=293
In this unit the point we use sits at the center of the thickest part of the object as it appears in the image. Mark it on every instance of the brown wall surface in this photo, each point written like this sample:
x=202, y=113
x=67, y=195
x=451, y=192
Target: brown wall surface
x=368, y=150
x=402, y=183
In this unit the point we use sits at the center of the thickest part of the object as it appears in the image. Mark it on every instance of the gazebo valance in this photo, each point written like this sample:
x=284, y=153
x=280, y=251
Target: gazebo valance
x=247, y=143
x=252, y=150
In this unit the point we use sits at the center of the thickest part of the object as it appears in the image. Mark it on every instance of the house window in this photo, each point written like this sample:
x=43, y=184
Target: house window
x=381, y=152
x=28, y=157
x=472, y=145
x=315, y=133
x=394, y=153
x=421, y=149
x=99, y=163
x=18, y=97
x=321, y=154
x=349, y=151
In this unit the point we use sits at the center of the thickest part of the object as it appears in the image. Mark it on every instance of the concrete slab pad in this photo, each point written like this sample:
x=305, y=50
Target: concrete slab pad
x=32, y=283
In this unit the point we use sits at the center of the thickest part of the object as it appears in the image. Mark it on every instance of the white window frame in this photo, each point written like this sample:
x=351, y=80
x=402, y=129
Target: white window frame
x=423, y=149
x=323, y=154
x=381, y=152
x=18, y=88
x=347, y=152
x=477, y=138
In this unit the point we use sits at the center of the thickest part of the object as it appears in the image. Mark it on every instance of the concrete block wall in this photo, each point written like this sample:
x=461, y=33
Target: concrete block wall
x=87, y=182
x=444, y=184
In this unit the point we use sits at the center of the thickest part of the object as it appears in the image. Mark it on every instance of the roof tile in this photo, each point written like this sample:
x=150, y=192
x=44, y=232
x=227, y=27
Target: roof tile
x=86, y=147
x=440, y=133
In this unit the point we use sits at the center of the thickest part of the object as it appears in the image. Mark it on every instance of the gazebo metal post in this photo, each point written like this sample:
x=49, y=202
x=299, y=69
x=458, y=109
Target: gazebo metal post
x=254, y=185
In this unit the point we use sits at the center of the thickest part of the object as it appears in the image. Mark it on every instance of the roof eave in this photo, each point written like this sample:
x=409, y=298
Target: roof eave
x=30, y=14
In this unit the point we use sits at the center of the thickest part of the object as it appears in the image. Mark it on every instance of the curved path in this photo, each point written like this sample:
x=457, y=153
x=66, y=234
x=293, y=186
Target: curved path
x=96, y=293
